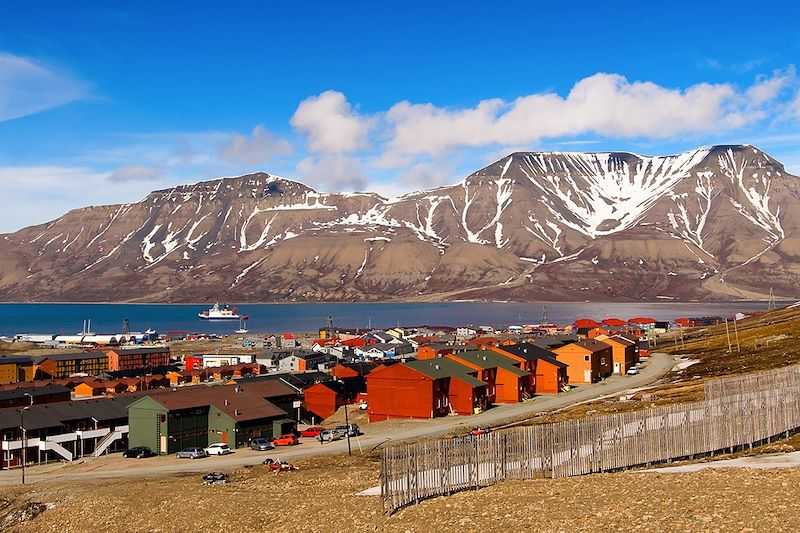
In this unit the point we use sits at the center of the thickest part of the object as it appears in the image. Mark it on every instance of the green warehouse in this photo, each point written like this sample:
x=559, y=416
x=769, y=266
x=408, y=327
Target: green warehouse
x=169, y=421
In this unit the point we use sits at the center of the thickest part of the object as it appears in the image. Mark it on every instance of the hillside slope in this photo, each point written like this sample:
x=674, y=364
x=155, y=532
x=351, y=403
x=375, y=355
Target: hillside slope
x=713, y=223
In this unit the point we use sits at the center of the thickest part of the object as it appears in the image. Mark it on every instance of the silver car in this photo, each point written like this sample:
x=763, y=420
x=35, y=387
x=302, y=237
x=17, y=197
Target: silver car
x=330, y=435
x=191, y=453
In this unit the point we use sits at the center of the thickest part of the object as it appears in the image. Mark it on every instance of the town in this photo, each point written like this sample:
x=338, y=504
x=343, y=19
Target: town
x=88, y=395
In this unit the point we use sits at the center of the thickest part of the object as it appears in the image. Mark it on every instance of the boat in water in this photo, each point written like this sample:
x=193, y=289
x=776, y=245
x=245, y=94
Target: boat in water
x=242, y=326
x=221, y=313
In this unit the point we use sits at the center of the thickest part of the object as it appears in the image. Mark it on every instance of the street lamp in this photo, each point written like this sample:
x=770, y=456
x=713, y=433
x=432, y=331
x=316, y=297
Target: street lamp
x=24, y=433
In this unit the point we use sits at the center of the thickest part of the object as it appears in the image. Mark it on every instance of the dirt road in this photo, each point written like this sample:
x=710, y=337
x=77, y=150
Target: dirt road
x=114, y=466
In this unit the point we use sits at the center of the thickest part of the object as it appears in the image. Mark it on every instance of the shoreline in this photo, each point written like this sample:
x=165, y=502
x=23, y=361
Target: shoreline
x=424, y=302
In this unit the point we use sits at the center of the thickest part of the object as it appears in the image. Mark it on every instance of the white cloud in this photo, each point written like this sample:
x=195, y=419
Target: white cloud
x=28, y=86
x=136, y=173
x=602, y=104
x=333, y=173
x=795, y=106
x=766, y=89
x=331, y=124
x=256, y=149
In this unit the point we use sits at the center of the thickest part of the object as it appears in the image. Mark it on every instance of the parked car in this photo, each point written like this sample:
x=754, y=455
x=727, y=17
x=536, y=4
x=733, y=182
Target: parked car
x=138, y=452
x=632, y=371
x=312, y=431
x=349, y=429
x=261, y=444
x=289, y=439
x=191, y=453
x=480, y=431
x=330, y=435
x=219, y=448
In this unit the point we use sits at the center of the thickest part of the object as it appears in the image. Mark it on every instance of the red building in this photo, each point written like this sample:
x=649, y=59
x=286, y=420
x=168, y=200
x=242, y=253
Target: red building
x=424, y=389
x=325, y=398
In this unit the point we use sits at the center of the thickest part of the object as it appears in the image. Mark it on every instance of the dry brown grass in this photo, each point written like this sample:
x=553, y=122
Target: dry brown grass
x=321, y=497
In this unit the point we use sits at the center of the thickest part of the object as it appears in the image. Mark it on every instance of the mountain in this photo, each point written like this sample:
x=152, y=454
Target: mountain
x=714, y=223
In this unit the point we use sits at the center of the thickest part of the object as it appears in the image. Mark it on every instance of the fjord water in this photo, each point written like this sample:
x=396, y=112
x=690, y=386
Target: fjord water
x=309, y=317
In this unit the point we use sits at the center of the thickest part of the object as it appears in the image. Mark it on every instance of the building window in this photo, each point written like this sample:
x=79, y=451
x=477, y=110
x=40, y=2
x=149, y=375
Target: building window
x=586, y=358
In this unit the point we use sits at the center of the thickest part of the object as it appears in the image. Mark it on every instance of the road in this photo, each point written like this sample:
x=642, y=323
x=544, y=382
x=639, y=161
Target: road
x=113, y=466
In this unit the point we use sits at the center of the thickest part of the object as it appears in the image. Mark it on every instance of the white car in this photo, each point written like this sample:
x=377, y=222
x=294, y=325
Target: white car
x=219, y=448
x=632, y=371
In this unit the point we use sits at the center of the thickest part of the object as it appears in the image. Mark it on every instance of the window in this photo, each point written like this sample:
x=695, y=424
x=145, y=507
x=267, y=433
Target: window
x=586, y=358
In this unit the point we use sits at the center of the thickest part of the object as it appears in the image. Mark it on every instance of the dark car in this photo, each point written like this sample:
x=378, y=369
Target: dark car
x=138, y=452
x=261, y=444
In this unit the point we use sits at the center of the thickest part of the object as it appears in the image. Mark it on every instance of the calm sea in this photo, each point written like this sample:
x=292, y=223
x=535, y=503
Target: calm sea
x=305, y=317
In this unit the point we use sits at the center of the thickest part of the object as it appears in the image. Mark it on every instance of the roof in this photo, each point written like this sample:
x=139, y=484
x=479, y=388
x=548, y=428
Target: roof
x=56, y=414
x=640, y=320
x=16, y=360
x=555, y=340
x=592, y=345
x=140, y=351
x=442, y=367
x=73, y=355
x=532, y=352
x=11, y=394
x=489, y=359
x=614, y=322
x=245, y=402
x=620, y=340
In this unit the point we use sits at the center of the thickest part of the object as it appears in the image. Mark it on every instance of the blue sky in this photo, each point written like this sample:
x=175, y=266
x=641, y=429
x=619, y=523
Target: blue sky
x=101, y=105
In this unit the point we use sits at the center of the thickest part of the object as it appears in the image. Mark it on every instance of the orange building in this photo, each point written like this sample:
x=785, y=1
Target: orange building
x=587, y=360
x=138, y=358
x=16, y=369
x=550, y=374
x=506, y=381
x=623, y=353
x=483, y=343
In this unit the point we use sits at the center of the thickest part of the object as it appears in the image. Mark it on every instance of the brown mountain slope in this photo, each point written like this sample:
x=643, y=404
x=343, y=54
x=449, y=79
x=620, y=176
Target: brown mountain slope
x=713, y=223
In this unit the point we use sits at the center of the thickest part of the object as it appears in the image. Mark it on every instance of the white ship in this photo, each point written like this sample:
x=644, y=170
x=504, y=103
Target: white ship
x=221, y=313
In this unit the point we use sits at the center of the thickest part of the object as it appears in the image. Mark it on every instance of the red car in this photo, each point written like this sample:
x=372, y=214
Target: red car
x=289, y=439
x=480, y=431
x=312, y=431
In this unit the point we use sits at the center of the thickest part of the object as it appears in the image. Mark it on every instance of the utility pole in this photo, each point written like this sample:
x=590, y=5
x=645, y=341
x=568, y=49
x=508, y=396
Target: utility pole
x=728, y=336
x=24, y=434
x=347, y=423
x=736, y=334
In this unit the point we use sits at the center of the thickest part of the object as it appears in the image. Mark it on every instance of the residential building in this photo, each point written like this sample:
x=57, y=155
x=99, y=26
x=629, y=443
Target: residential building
x=506, y=381
x=623, y=353
x=16, y=368
x=587, y=360
x=67, y=364
x=400, y=391
x=147, y=359
x=466, y=394
x=550, y=374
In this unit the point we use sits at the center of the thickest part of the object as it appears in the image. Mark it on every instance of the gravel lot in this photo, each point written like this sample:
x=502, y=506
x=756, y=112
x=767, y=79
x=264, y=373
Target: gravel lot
x=321, y=497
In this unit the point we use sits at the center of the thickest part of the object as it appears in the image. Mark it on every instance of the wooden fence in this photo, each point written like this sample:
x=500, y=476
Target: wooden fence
x=413, y=472
x=776, y=379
